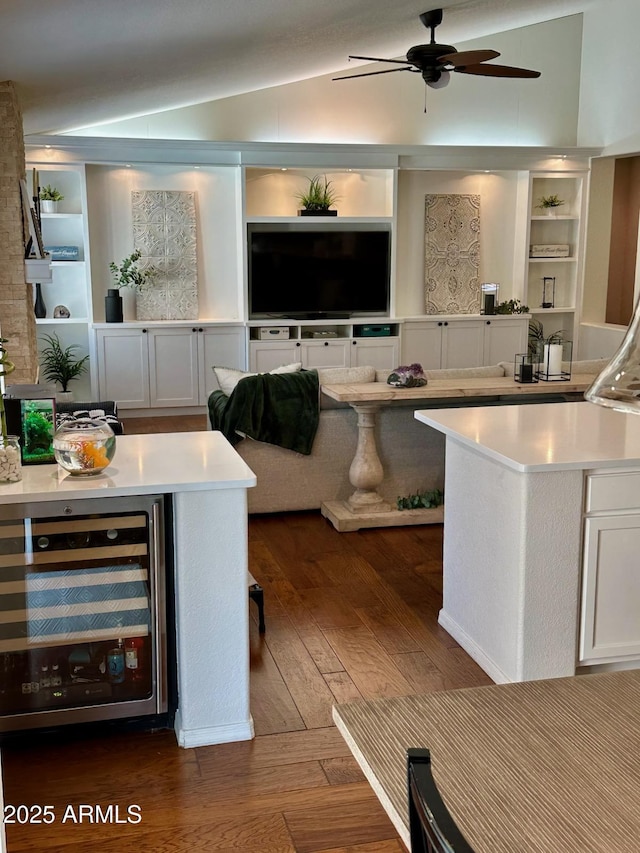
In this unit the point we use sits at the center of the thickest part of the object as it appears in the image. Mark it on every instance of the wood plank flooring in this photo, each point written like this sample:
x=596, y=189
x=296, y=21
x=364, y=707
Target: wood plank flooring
x=348, y=615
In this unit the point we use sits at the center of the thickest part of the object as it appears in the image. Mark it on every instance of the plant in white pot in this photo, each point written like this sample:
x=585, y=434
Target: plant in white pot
x=127, y=274
x=60, y=365
x=49, y=198
x=550, y=204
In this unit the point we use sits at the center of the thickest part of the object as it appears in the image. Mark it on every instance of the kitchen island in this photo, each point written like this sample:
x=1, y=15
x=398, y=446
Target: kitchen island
x=208, y=483
x=541, y=536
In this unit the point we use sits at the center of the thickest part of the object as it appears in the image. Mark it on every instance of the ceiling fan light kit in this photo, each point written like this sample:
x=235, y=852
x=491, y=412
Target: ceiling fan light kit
x=435, y=62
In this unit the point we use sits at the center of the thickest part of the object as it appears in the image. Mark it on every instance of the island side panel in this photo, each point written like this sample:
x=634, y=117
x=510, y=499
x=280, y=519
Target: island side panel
x=511, y=565
x=212, y=620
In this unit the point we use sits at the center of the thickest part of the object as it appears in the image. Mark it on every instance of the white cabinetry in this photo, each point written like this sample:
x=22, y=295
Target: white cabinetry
x=318, y=344
x=610, y=627
x=453, y=341
x=548, y=230
x=165, y=366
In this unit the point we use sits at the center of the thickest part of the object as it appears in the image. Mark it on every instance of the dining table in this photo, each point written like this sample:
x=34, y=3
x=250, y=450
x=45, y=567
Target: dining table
x=526, y=767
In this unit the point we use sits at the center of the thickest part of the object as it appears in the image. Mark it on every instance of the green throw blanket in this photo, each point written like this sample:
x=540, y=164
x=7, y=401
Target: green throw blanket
x=277, y=408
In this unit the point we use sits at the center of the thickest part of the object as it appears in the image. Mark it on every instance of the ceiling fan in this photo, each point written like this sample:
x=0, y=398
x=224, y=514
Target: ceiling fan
x=435, y=61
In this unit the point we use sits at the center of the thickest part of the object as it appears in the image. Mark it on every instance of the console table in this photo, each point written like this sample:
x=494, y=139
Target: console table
x=367, y=507
x=540, y=765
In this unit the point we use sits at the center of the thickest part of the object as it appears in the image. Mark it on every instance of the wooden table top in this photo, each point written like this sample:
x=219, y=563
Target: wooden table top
x=550, y=765
x=374, y=392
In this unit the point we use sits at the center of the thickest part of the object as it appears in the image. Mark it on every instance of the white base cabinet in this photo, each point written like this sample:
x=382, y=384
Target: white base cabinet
x=610, y=622
x=165, y=366
x=474, y=341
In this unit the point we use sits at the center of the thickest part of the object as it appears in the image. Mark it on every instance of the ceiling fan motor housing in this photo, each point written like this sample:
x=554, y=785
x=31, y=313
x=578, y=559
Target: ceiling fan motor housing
x=425, y=57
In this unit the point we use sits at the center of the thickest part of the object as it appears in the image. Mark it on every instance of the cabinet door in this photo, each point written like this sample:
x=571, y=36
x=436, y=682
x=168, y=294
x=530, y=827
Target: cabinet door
x=326, y=354
x=503, y=338
x=219, y=346
x=462, y=343
x=123, y=367
x=173, y=367
x=609, y=625
x=422, y=343
x=381, y=353
x=265, y=355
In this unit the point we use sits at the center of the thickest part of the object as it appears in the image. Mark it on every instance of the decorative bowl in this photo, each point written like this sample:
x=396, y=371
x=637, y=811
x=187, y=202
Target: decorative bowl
x=84, y=447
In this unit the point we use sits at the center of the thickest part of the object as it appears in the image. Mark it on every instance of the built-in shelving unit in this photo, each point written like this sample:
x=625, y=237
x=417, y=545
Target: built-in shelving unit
x=562, y=226
x=70, y=284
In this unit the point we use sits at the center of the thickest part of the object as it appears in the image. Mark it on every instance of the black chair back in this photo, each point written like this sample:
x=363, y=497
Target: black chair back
x=431, y=827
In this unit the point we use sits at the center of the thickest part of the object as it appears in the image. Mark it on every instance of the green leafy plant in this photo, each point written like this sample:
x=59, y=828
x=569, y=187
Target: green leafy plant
x=511, y=306
x=6, y=367
x=550, y=201
x=319, y=195
x=128, y=274
x=60, y=364
x=421, y=500
x=50, y=193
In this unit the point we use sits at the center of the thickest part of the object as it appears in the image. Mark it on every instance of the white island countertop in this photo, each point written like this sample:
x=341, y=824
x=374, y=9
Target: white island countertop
x=543, y=436
x=142, y=465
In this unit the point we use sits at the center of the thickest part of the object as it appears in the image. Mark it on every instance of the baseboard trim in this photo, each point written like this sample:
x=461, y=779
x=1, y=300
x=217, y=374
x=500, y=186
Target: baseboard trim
x=211, y=735
x=472, y=649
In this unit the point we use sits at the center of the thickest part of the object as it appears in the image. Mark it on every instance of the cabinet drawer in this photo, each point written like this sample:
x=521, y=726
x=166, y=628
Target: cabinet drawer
x=612, y=492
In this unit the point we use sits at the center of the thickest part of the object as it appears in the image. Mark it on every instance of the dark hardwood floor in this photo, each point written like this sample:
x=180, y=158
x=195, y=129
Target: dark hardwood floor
x=348, y=615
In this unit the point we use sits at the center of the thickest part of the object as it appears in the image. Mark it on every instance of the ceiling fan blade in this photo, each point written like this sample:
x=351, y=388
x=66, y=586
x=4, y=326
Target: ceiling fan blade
x=377, y=59
x=372, y=73
x=468, y=57
x=496, y=71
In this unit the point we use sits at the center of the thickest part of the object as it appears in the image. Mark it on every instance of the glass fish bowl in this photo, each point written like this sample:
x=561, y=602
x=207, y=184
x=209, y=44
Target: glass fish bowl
x=84, y=446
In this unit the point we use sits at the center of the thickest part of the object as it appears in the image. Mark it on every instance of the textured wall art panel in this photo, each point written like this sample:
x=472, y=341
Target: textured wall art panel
x=452, y=254
x=164, y=229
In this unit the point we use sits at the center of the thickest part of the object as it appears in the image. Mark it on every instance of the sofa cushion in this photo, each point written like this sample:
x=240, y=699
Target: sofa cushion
x=491, y=371
x=228, y=377
x=104, y=410
x=342, y=376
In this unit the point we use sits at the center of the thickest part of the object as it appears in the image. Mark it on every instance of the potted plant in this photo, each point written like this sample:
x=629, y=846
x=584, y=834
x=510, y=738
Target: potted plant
x=127, y=274
x=550, y=203
x=49, y=198
x=511, y=306
x=60, y=365
x=317, y=199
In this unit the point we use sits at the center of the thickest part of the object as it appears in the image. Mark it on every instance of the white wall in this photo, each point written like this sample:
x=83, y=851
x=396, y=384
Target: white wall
x=218, y=212
x=608, y=114
x=388, y=108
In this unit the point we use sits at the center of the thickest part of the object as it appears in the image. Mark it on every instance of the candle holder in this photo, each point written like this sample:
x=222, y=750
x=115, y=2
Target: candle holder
x=489, y=293
x=548, y=292
x=554, y=360
x=524, y=368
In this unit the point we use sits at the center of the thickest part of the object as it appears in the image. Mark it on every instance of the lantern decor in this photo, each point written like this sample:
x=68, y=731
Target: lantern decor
x=548, y=292
x=524, y=368
x=554, y=359
x=489, y=291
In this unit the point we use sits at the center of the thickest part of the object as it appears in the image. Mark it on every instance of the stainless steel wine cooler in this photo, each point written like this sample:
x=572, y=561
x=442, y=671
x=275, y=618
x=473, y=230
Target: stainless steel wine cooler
x=82, y=611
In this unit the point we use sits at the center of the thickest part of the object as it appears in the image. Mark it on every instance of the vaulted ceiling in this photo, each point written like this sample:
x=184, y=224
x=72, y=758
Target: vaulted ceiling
x=81, y=62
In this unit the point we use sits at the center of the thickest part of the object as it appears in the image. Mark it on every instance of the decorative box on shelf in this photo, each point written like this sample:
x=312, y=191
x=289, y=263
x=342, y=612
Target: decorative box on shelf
x=38, y=270
x=273, y=332
x=549, y=250
x=62, y=253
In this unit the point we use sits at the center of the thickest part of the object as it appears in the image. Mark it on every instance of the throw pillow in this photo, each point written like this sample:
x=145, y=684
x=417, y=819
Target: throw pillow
x=228, y=377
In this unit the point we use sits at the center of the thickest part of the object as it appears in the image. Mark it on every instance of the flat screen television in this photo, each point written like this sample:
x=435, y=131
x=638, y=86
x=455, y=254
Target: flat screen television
x=305, y=271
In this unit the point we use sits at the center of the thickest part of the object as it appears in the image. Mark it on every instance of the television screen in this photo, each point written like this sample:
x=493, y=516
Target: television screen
x=304, y=272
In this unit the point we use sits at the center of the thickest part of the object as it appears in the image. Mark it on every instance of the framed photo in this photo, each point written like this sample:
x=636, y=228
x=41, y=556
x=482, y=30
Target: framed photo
x=34, y=422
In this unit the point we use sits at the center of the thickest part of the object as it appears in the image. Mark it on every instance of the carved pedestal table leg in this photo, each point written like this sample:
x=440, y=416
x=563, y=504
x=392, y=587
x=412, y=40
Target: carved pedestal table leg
x=366, y=472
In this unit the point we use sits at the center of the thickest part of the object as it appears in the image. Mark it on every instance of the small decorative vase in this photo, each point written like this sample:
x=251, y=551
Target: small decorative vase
x=39, y=307
x=84, y=447
x=113, y=306
x=10, y=459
